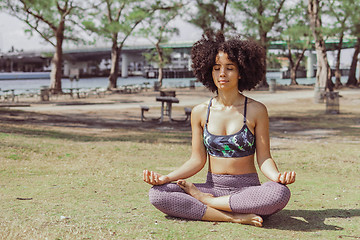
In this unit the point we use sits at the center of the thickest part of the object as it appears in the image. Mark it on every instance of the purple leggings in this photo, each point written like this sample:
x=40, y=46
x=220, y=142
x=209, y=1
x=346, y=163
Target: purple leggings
x=247, y=195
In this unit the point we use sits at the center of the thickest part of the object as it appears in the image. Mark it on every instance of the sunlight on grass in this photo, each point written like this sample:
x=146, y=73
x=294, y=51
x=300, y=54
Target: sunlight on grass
x=58, y=184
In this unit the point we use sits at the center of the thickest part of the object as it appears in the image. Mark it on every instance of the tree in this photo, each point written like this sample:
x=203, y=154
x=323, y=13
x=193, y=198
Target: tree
x=261, y=16
x=54, y=21
x=158, y=31
x=355, y=31
x=297, y=35
x=341, y=12
x=211, y=16
x=352, y=78
x=116, y=20
x=323, y=73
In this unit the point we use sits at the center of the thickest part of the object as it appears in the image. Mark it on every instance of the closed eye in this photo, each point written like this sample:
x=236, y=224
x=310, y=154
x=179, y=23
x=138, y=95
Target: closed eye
x=216, y=68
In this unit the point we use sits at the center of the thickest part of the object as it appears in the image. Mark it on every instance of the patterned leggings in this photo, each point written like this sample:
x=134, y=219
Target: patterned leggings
x=247, y=195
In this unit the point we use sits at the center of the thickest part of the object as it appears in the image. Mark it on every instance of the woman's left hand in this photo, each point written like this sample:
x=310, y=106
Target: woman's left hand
x=287, y=177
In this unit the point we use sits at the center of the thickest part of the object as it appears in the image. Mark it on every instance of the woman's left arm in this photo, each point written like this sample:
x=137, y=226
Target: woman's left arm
x=266, y=164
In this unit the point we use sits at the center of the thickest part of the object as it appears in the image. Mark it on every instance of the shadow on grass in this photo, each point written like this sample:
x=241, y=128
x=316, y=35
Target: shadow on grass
x=91, y=129
x=290, y=125
x=140, y=136
x=308, y=220
x=344, y=124
x=301, y=220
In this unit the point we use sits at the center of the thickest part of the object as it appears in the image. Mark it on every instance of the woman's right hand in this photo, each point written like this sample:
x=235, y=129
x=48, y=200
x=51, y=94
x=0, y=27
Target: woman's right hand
x=154, y=178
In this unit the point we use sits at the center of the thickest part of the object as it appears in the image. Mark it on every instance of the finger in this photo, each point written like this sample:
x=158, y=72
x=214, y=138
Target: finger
x=288, y=177
x=152, y=177
x=282, y=178
x=293, y=176
x=146, y=175
x=156, y=178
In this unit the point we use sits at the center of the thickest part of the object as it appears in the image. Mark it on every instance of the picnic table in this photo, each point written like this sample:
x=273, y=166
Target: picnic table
x=166, y=105
x=72, y=91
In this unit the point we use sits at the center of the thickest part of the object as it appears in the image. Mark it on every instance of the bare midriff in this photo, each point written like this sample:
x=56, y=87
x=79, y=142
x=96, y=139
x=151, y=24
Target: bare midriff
x=232, y=166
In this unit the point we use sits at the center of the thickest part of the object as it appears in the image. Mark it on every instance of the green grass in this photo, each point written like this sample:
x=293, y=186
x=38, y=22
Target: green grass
x=87, y=185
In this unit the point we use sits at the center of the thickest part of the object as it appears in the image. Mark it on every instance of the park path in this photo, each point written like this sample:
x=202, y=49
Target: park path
x=187, y=98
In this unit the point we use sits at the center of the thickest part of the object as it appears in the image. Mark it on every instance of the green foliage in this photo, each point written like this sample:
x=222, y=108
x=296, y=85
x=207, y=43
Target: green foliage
x=45, y=17
x=272, y=61
x=341, y=14
x=153, y=56
x=261, y=15
x=296, y=32
x=210, y=14
x=115, y=19
x=158, y=30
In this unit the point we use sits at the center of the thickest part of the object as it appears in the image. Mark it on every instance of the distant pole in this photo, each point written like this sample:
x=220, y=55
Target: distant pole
x=124, y=65
x=272, y=85
x=310, y=65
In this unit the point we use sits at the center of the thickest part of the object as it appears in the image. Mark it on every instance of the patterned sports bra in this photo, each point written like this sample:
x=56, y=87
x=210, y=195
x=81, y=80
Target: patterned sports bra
x=240, y=144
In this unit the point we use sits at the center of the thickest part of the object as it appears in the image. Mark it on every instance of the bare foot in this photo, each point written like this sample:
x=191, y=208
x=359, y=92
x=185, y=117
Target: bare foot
x=192, y=190
x=249, y=219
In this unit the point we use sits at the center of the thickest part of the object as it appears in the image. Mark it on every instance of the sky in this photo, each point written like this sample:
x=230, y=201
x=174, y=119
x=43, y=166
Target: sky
x=12, y=34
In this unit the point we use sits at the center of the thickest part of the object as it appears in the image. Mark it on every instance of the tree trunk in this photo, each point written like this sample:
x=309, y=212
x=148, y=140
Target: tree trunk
x=296, y=66
x=293, y=76
x=161, y=63
x=56, y=62
x=352, y=78
x=323, y=73
x=115, y=58
x=292, y=68
x=263, y=42
x=337, y=68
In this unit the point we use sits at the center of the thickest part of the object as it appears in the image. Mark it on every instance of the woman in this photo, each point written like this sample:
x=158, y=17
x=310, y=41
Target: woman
x=227, y=130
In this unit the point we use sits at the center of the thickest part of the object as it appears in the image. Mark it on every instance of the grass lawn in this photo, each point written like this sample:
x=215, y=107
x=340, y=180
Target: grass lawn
x=74, y=182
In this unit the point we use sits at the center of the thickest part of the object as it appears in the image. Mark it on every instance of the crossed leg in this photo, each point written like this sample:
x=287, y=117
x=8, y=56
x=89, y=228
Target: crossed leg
x=218, y=208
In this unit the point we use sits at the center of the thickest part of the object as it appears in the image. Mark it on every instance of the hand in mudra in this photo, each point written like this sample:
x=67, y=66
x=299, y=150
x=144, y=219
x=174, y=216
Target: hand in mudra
x=286, y=177
x=154, y=178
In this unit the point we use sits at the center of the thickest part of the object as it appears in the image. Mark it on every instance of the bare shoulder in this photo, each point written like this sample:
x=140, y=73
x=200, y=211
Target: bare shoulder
x=199, y=112
x=257, y=109
x=200, y=108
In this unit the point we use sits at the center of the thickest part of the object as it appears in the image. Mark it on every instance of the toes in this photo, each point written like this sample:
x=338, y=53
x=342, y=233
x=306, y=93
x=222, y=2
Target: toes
x=257, y=221
x=181, y=182
x=257, y=224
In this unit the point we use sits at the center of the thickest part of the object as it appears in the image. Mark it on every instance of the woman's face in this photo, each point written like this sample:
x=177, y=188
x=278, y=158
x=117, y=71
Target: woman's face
x=225, y=73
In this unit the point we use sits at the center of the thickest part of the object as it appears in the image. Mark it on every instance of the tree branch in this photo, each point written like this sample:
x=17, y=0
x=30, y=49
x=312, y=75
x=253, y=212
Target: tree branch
x=41, y=18
x=41, y=34
x=277, y=14
x=118, y=15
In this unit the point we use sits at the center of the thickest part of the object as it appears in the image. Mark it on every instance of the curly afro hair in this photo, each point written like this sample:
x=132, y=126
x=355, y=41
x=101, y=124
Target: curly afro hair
x=247, y=54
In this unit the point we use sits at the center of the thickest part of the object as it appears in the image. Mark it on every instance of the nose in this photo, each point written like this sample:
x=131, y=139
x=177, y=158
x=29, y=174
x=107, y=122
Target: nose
x=222, y=72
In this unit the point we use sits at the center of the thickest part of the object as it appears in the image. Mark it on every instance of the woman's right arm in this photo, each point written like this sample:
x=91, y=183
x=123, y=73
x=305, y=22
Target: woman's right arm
x=198, y=154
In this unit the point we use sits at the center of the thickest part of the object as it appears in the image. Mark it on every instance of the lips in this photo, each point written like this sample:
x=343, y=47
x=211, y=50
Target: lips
x=223, y=81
